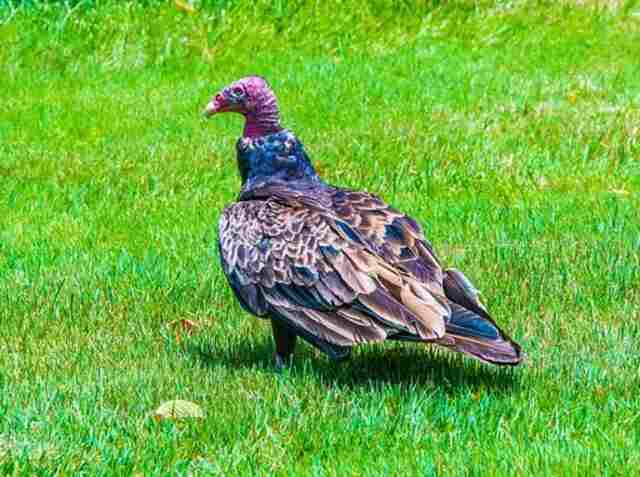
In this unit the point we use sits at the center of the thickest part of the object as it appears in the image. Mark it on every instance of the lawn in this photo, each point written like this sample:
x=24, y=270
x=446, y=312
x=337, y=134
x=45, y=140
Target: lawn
x=509, y=129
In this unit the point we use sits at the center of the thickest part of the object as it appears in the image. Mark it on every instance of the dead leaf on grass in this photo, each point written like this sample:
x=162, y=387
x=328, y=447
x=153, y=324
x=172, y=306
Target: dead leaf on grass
x=178, y=409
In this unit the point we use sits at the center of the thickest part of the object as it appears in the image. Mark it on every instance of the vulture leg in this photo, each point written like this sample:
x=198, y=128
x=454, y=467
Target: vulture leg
x=285, y=340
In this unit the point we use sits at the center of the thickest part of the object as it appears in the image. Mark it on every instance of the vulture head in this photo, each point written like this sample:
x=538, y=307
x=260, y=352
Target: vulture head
x=254, y=99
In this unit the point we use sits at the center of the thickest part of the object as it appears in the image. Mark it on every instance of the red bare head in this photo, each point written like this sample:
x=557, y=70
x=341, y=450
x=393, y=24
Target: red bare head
x=253, y=98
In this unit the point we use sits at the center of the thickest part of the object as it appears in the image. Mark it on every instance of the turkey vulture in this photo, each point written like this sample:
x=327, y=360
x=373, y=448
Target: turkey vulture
x=333, y=266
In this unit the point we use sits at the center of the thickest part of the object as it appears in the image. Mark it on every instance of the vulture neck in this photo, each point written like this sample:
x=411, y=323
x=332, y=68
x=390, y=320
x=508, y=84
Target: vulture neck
x=264, y=120
x=277, y=158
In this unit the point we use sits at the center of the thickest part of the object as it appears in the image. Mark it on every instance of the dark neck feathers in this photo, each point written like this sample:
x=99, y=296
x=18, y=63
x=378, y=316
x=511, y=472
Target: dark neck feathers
x=278, y=157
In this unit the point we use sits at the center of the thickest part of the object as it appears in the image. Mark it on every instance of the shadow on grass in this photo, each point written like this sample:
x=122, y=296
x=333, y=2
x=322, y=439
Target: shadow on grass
x=401, y=365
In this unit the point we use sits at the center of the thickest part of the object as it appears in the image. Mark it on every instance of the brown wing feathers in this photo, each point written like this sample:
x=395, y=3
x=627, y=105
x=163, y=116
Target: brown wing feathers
x=356, y=272
x=400, y=240
x=318, y=274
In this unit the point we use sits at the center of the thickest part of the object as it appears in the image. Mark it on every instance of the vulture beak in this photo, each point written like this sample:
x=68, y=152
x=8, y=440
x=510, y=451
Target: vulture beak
x=217, y=105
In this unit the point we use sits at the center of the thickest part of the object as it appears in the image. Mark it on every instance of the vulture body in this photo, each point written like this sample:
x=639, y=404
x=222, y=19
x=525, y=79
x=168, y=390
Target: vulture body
x=333, y=266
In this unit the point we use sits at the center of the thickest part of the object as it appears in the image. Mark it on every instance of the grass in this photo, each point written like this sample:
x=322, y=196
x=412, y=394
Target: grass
x=511, y=130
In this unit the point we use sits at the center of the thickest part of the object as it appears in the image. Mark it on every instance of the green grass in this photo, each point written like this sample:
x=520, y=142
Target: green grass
x=511, y=130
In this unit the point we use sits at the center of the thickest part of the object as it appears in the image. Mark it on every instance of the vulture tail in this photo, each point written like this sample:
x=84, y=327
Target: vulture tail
x=480, y=337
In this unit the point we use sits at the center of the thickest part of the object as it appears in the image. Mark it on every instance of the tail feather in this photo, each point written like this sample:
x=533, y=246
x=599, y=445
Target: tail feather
x=479, y=337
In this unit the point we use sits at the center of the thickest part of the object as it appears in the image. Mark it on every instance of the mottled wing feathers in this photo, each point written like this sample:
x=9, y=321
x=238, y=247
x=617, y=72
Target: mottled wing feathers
x=323, y=275
x=396, y=237
x=400, y=240
x=392, y=235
